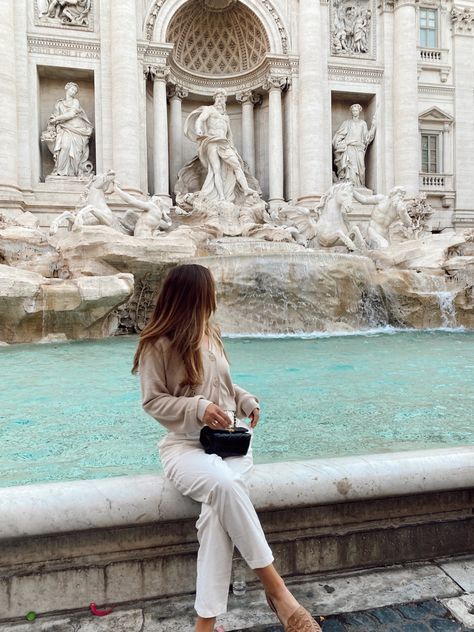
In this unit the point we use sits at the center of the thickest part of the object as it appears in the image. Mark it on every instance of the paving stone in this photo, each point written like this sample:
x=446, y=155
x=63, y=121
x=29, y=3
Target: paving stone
x=412, y=611
x=333, y=625
x=445, y=625
x=359, y=620
x=417, y=626
x=462, y=571
x=434, y=608
x=386, y=616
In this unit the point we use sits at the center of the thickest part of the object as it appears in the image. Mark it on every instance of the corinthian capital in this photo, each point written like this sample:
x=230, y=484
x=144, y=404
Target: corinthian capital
x=175, y=91
x=279, y=82
x=248, y=96
x=158, y=72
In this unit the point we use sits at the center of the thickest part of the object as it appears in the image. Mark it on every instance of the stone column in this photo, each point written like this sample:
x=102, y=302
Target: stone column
x=463, y=46
x=9, y=189
x=158, y=75
x=406, y=138
x=275, y=85
x=248, y=99
x=311, y=119
x=125, y=93
x=176, y=94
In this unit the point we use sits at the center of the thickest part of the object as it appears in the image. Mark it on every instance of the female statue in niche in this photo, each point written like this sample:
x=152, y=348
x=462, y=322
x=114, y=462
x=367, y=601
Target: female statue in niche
x=68, y=134
x=350, y=143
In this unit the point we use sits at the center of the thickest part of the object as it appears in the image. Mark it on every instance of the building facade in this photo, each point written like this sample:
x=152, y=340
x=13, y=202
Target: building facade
x=291, y=70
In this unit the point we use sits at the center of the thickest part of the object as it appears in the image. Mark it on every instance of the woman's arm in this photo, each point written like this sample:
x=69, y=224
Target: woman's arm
x=178, y=414
x=244, y=401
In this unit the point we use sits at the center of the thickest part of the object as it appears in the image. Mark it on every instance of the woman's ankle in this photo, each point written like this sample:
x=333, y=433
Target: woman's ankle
x=205, y=624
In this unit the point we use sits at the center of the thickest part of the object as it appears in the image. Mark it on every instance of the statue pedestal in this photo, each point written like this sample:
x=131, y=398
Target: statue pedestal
x=51, y=179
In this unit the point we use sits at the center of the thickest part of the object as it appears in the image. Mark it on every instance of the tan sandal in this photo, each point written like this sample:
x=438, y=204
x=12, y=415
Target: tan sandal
x=300, y=621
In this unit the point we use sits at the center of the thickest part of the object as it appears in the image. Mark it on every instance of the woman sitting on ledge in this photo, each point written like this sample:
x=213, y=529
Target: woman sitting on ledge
x=186, y=384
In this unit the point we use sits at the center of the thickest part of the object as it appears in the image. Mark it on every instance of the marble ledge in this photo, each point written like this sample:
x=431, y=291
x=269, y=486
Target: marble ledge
x=52, y=508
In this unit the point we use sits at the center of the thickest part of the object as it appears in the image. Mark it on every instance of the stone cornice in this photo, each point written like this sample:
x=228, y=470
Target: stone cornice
x=81, y=48
x=277, y=65
x=390, y=5
x=436, y=90
x=356, y=74
x=462, y=19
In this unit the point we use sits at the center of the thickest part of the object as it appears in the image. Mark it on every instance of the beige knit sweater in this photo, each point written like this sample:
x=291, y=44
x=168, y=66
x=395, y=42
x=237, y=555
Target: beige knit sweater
x=181, y=408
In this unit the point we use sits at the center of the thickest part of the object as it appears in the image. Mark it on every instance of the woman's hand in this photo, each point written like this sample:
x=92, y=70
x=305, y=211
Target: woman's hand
x=254, y=417
x=215, y=417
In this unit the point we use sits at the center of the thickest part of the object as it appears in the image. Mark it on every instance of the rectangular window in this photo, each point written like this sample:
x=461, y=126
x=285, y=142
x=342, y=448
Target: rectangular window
x=430, y=153
x=428, y=28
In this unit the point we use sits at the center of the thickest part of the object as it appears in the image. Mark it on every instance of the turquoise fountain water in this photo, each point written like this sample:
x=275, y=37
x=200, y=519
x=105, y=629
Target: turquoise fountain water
x=72, y=411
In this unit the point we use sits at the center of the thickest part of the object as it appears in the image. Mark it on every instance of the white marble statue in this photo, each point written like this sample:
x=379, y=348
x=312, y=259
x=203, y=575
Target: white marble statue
x=333, y=227
x=154, y=218
x=74, y=12
x=94, y=209
x=351, y=28
x=350, y=143
x=388, y=209
x=67, y=135
x=209, y=127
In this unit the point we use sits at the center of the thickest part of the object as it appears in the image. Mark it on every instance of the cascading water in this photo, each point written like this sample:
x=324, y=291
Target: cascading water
x=447, y=309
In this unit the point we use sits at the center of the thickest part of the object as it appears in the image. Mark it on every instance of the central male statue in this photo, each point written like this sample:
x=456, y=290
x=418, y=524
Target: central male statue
x=209, y=126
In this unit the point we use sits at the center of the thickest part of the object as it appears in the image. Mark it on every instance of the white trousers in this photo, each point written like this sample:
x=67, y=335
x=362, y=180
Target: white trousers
x=227, y=516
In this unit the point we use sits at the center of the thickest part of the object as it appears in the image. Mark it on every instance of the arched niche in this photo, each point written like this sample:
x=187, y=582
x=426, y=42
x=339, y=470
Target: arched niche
x=161, y=13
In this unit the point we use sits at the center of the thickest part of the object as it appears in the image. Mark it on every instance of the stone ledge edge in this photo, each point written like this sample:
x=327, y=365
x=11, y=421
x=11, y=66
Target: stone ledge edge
x=53, y=508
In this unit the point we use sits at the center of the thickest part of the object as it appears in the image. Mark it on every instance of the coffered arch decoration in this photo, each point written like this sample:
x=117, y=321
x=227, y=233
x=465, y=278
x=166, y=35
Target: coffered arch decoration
x=162, y=14
x=217, y=41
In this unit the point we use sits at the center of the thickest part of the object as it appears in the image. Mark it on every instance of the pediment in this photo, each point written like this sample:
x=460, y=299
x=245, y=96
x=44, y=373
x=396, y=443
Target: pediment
x=435, y=115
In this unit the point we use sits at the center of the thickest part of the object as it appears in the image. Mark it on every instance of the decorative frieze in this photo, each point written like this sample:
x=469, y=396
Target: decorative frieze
x=80, y=48
x=76, y=14
x=352, y=28
x=462, y=19
x=355, y=74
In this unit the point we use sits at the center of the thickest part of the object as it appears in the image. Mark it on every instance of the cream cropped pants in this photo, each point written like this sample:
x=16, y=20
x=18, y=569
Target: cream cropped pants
x=227, y=516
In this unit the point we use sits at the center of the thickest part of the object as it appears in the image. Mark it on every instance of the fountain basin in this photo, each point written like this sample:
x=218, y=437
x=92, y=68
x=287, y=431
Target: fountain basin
x=320, y=396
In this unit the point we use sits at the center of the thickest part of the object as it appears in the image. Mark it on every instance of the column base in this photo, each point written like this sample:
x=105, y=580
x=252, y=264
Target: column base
x=11, y=197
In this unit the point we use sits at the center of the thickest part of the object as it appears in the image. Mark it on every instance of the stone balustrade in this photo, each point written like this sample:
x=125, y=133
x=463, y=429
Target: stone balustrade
x=436, y=182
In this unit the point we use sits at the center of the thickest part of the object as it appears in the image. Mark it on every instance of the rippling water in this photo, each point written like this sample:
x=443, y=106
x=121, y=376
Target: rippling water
x=72, y=410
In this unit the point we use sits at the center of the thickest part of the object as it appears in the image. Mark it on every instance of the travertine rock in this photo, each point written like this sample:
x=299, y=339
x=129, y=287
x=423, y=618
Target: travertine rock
x=30, y=249
x=99, y=250
x=33, y=307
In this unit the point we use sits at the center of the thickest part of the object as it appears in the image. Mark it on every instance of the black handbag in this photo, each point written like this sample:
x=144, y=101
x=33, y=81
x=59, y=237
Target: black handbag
x=232, y=442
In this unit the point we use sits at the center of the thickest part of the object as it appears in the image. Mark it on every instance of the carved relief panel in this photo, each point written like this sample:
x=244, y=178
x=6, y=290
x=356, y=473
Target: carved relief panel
x=64, y=13
x=352, y=24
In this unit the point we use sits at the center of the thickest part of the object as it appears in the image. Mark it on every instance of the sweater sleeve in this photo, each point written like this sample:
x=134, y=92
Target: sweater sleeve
x=176, y=413
x=245, y=402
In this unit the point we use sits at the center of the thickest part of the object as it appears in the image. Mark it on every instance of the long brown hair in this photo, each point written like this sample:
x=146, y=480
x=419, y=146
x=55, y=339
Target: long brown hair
x=186, y=302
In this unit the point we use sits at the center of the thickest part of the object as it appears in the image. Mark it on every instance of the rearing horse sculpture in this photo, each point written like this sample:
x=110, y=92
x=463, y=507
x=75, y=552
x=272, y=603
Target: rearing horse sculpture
x=95, y=210
x=333, y=228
